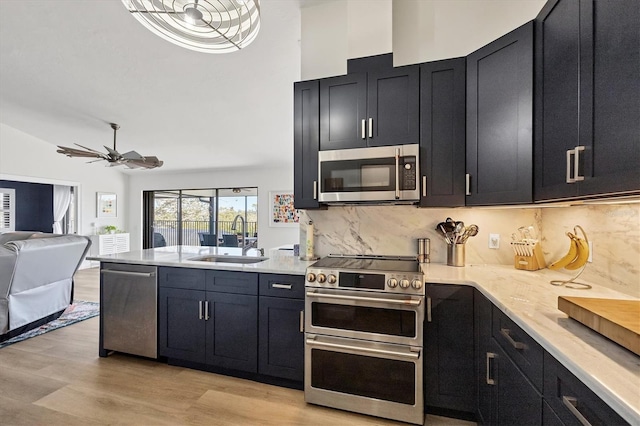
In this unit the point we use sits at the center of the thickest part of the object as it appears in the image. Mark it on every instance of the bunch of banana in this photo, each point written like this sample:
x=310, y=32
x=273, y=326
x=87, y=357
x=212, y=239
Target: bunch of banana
x=577, y=255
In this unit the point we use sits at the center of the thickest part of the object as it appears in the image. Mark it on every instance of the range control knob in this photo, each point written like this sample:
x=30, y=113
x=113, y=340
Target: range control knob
x=417, y=284
x=331, y=279
x=322, y=278
x=311, y=277
x=404, y=283
x=393, y=283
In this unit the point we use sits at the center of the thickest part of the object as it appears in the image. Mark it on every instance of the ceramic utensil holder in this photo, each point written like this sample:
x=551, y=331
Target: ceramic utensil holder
x=528, y=256
x=455, y=254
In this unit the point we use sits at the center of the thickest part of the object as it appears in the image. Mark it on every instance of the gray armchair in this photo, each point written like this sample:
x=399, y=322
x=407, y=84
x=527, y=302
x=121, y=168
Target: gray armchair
x=36, y=278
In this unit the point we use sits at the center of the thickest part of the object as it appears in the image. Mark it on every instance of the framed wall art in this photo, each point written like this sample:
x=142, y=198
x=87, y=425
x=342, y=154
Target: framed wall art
x=281, y=210
x=106, y=204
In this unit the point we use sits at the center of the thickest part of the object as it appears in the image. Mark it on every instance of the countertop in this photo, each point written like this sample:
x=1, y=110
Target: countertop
x=526, y=297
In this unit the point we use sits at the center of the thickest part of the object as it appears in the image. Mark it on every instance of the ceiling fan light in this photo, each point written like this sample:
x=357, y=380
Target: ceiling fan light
x=210, y=26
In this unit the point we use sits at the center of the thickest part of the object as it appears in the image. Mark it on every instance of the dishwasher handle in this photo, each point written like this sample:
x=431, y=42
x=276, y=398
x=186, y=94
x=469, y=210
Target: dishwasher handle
x=128, y=273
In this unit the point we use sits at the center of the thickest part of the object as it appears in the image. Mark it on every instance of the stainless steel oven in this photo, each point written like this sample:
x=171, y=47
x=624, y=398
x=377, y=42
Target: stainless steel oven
x=363, y=336
x=376, y=174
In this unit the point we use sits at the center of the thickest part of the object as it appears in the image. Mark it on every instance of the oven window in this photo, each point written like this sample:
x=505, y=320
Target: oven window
x=388, y=321
x=371, y=377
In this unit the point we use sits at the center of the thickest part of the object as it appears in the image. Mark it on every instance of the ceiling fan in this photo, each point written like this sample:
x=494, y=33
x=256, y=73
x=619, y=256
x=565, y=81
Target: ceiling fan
x=131, y=159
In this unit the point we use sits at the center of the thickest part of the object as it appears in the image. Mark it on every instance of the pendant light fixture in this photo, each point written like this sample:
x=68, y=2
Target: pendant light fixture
x=210, y=26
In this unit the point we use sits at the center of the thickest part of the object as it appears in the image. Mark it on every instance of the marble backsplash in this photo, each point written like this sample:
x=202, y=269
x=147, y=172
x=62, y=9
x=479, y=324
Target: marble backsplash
x=394, y=230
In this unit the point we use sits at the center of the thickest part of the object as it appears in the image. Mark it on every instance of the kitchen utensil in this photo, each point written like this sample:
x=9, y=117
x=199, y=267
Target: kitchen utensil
x=444, y=233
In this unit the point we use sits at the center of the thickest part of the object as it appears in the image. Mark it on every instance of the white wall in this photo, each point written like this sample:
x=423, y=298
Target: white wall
x=265, y=179
x=29, y=159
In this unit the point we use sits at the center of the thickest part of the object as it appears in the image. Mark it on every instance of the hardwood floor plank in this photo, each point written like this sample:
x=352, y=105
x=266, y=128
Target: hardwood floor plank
x=18, y=413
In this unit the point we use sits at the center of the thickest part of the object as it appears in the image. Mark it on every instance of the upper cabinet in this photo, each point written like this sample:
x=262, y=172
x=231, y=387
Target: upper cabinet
x=499, y=120
x=306, y=142
x=442, y=133
x=374, y=108
x=587, y=99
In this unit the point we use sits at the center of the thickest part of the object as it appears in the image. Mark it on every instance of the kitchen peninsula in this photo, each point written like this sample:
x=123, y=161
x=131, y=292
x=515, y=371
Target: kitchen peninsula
x=525, y=297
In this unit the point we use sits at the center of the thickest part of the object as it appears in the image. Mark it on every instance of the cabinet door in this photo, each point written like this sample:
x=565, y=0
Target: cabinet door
x=306, y=142
x=393, y=106
x=281, y=340
x=557, y=60
x=449, y=354
x=181, y=326
x=442, y=132
x=232, y=331
x=609, y=32
x=343, y=110
x=482, y=329
x=500, y=119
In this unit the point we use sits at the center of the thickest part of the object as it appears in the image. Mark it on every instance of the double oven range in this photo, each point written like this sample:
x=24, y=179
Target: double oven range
x=363, y=335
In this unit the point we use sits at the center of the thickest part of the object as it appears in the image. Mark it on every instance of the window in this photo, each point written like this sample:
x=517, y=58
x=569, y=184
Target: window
x=7, y=210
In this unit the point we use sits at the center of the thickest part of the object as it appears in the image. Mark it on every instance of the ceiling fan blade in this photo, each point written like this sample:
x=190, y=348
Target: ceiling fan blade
x=132, y=155
x=88, y=149
x=146, y=162
x=73, y=152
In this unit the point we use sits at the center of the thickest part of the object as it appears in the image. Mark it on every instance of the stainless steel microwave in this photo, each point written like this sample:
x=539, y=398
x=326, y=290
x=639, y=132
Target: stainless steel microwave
x=376, y=174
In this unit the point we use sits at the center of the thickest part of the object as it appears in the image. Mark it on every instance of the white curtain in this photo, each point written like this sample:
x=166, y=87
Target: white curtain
x=61, y=200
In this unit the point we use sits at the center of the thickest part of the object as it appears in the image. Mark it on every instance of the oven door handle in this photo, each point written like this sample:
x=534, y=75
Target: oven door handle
x=410, y=355
x=406, y=302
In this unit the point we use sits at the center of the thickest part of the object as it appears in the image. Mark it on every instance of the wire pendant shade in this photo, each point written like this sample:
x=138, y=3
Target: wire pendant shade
x=210, y=26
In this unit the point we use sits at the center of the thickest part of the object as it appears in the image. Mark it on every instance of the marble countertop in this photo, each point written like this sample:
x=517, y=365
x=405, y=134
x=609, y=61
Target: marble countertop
x=181, y=257
x=608, y=369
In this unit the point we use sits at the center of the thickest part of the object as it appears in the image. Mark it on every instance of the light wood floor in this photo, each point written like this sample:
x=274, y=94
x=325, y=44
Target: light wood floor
x=58, y=379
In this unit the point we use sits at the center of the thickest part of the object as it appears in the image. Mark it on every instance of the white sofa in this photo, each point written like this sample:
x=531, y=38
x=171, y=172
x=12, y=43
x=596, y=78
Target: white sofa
x=36, y=278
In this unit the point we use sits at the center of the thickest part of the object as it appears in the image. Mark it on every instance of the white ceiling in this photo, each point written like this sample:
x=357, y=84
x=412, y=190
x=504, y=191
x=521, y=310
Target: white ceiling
x=69, y=67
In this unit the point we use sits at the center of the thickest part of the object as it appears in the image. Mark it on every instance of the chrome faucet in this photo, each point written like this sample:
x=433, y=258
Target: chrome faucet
x=245, y=247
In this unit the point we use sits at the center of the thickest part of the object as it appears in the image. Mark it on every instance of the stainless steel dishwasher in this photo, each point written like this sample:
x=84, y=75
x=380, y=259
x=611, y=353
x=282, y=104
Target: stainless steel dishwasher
x=128, y=309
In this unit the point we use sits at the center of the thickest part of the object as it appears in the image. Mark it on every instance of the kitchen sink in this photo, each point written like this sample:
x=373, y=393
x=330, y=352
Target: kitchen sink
x=230, y=259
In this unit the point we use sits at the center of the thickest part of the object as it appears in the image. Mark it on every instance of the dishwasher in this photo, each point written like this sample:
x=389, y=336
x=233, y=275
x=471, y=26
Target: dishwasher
x=128, y=309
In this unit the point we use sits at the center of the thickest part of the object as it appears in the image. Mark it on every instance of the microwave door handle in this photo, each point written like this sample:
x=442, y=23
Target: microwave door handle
x=397, y=173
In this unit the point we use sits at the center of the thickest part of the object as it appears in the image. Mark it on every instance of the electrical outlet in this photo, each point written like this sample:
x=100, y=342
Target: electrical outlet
x=494, y=241
x=590, y=258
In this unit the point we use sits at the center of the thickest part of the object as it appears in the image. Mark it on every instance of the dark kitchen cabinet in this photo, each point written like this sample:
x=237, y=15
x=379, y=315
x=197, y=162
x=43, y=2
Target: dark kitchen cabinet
x=306, y=143
x=281, y=333
x=442, y=132
x=182, y=330
x=499, y=120
x=449, y=349
x=482, y=309
x=587, y=97
x=378, y=107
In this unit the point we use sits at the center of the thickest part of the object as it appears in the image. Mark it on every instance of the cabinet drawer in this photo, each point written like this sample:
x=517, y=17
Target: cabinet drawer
x=571, y=400
x=232, y=282
x=278, y=285
x=521, y=348
x=190, y=279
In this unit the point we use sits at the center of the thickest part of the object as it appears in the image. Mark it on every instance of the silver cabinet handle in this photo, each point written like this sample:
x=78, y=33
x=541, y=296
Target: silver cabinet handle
x=576, y=164
x=428, y=309
x=411, y=355
x=315, y=189
x=128, y=273
x=282, y=286
x=467, y=184
x=490, y=356
x=199, y=309
x=569, y=179
x=206, y=310
x=363, y=128
x=572, y=404
x=397, y=173
x=409, y=302
x=424, y=185
x=370, y=127
x=517, y=345
x=301, y=321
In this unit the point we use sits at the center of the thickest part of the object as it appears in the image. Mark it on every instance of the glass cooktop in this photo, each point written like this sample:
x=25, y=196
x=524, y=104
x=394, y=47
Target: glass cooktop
x=369, y=263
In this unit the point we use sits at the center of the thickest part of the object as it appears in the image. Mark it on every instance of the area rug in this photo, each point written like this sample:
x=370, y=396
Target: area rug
x=78, y=311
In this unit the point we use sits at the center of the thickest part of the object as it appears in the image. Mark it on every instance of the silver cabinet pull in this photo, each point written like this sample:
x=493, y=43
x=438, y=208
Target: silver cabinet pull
x=315, y=189
x=467, y=184
x=428, y=309
x=363, y=128
x=411, y=355
x=128, y=273
x=490, y=356
x=576, y=164
x=370, y=127
x=206, y=310
x=424, y=185
x=409, y=302
x=199, y=309
x=282, y=286
x=301, y=321
x=517, y=345
x=397, y=173
x=569, y=179
x=572, y=404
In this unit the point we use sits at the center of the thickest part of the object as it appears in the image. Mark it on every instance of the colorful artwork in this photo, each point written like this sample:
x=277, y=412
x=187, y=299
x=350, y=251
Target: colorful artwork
x=282, y=211
x=106, y=205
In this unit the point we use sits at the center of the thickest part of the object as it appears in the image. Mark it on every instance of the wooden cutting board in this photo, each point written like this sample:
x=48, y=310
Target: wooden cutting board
x=616, y=319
